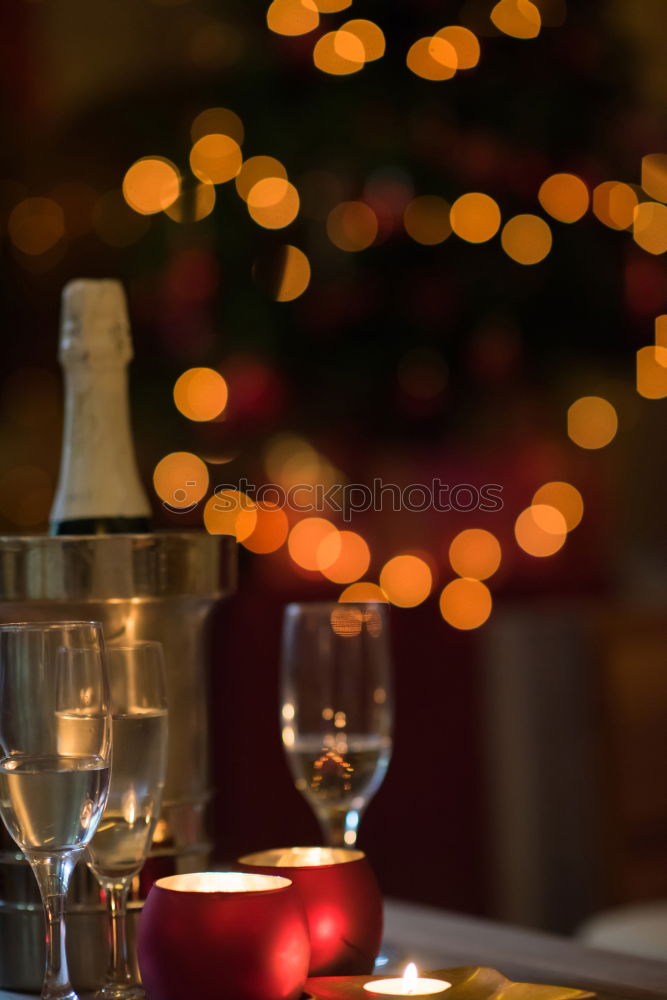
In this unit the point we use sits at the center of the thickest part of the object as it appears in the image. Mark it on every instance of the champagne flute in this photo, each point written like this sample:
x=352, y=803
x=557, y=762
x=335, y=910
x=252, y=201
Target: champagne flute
x=55, y=751
x=337, y=709
x=118, y=850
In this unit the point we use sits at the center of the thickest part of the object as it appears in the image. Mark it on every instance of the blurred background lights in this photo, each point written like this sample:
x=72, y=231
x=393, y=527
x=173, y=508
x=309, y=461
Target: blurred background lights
x=475, y=553
x=526, y=239
x=36, y=225
x=661, y=330
x=332, y=6
x=426, y=219
x=352, y=226
x=255, y=169
x=654, y=175
x=369, y=34
x=273, y=203
x=614, y=204
x=305, y=539
x=465, y=44
x=195, y=202
x=475, y=217
x=540, y=530
x=592, y=422
x=200, y=394
x=292, y=17
x=180, y=479
x=650, y=227
x=217, y=121
x=517, y=18
x=343, y=558
x=652, y=372
x=284, y=273
x=216, y=158
x=339, y=53
x=151, y=185
x=564, y=196
x=363, y=593
x=406, y=580
x=565, y=498
x=270, y=531
x=230, y=512
x=432, y=58
x=465, y=603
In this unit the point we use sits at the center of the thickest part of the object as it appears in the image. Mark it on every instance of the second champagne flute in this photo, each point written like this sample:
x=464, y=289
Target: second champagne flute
x=119, y=848
x=337, y=709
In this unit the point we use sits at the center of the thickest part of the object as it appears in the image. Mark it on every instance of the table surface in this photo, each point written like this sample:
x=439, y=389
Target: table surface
x=436, y=939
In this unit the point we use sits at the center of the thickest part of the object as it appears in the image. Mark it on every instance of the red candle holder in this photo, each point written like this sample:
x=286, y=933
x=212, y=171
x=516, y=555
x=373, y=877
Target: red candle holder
x=223, y=936
x=342, y=900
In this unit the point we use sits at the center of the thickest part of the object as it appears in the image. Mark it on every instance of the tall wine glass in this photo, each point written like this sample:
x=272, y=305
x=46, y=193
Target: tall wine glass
x=55, y=750
x=118, y=850
x=337, y=709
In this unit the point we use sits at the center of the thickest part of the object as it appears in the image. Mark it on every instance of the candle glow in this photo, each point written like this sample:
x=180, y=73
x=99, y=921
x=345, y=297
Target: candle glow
x=409, y=985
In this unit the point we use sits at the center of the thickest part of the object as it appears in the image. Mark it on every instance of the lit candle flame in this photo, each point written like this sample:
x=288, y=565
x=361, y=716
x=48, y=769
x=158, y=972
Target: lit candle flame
x=410, y=977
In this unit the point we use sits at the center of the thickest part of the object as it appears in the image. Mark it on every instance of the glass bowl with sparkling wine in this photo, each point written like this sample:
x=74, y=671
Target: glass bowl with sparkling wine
x=337, y=709
x=55, y=756
x=118, y=850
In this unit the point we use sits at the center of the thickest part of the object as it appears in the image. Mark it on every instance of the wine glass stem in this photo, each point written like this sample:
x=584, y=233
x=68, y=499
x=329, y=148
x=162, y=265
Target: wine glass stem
x=118, y=973
x=338, y=830
x=53, y=873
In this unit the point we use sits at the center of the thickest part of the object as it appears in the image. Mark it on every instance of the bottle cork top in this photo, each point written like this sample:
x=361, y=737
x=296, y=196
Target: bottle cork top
x=94, y=322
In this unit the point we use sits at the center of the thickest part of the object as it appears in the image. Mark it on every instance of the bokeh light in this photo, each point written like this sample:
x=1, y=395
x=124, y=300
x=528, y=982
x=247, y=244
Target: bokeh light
x=180, y=480
x=475, y=553
x=465, y=44
x=592, y=422
x=284, y=273
x=305, y=539
x=526, y=239
x=475, y=217
x=339, y=53
x=352, y=226
x=26, y=495
x=363, y=592
x=273, y=203
x=540, y=530
x=217, y=121
x=270, y=531
x=344, y=557
x=652, y=372
x=650, y=227
x=195, y=202
x=200, y=394
x=565, y=197
x=230, y=512
x=369, y=34
x=216, y=158
x=151, y=184
x=406, y=580
x=661, y=330
x=332, y=6
x=426, y=219
x=292, y=17
x=465, y=603
x=517, y=18
x=614, y=204
x=432, y=58
x=566, y=498
x=36, y=225
x=654, y=175
x=255, y=169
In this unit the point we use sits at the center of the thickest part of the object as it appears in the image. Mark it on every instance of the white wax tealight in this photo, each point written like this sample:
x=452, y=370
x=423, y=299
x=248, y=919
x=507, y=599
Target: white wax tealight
x=409, y=985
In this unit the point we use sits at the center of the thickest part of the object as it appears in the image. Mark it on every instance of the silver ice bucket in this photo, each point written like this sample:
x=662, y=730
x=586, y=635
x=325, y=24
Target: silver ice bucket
x=159, y=586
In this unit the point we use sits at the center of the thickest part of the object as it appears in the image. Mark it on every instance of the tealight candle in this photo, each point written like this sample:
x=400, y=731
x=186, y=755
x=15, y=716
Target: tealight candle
x=410, y=985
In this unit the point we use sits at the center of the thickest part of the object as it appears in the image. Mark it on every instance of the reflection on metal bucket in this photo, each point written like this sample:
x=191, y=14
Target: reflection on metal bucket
x=160, y=586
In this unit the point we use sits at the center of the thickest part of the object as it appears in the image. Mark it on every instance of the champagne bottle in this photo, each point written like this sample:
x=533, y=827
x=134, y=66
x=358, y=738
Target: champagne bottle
x=99, y=489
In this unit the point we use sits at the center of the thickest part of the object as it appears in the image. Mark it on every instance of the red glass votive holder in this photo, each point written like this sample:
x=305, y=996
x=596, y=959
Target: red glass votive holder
x=342, y=900
x=223, y=936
